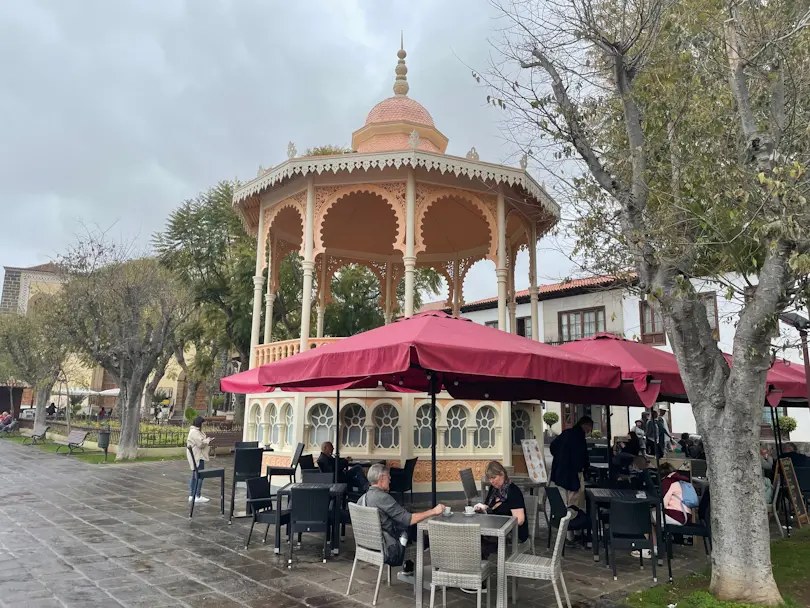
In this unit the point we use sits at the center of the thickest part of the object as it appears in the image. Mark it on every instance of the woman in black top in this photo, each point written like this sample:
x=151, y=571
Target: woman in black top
x=504, y=498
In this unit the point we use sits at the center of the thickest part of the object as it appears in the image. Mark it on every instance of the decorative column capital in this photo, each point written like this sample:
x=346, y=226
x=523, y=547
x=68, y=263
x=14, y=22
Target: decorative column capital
x=258, y=282
x=270, y=297
x=409, y=260
x=533, y=293
x=308, y=266
x=502, y=274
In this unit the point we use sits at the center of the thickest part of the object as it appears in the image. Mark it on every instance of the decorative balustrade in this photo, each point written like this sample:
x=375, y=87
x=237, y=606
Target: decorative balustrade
x=275, y=351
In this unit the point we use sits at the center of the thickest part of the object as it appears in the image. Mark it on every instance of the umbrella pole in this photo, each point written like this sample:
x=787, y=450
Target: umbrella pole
x=337, y=436
x=433, y=439
x=777, y=433
x=609, y=433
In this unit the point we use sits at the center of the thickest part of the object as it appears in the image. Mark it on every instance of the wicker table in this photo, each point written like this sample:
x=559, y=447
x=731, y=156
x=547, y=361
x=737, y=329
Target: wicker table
x=601, y=497
x=336, y=491
x=497, y=526
x=521, y=480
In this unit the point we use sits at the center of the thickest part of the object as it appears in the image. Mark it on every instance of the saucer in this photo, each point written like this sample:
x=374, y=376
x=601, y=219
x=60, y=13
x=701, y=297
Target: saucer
x=447, y=514
x=469, y=514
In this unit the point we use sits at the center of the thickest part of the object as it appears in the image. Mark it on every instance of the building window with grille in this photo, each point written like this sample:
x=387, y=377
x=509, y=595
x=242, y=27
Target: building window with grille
x=456, y=427
x=485, y=428
x=320, y=420
x=524, y=327
x=290, y=421
x=576, y=324
x=422, y=434
x=521, y=426
x=386, y=427
x=652, y=324
x=353, y=429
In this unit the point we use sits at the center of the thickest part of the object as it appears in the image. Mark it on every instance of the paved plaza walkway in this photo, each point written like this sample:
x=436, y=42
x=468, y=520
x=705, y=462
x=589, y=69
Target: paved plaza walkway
x=77, y=534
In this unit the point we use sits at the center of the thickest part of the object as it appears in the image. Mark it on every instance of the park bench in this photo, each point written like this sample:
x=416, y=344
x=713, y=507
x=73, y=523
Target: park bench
x=35, y=435
x=73, y=441
x=10, y=428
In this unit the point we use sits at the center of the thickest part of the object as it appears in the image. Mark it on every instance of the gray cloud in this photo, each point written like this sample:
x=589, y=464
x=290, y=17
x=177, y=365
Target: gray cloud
x=115, y=112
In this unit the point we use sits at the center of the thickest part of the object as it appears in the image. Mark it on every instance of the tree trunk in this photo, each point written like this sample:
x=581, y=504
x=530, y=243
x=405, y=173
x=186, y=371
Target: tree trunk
x=43, y=395
x=741, y=564
x=130, y=421
x=191, y=394
x=239, y=409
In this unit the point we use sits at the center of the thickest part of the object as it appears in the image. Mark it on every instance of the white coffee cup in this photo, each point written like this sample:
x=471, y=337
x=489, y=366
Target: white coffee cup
x=469, y=510
x=448, y=511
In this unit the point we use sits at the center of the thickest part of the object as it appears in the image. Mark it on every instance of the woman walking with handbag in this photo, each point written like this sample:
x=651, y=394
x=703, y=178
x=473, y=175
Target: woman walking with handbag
x=200, y=451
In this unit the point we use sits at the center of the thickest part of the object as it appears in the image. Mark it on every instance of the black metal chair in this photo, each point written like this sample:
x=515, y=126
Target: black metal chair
x=402, y=479
x=307, y=463
x=261, y=505
x=241, y=445
x=702, y=527
x=803, y=477
x=200, y=475
x=310, y=476
x=310, y=513
x=631, y=528
x=558, y=511
x=468, y=483
x=247, y=464
x=289, y=471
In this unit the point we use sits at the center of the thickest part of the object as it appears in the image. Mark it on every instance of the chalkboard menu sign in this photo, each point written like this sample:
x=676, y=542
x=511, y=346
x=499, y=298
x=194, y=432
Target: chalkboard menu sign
x=794, y=491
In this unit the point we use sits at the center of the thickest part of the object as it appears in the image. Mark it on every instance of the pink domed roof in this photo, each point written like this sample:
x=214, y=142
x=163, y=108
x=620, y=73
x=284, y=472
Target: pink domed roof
x=400, y=108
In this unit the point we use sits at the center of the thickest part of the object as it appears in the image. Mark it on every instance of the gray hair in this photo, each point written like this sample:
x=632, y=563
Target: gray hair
x=375, y=472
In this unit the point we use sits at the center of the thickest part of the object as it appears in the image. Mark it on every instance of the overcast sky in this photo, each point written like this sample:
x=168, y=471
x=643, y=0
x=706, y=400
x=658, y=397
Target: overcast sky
x=114, y=112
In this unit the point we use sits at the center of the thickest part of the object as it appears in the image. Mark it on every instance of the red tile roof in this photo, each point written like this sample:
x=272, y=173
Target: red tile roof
x=47, y=267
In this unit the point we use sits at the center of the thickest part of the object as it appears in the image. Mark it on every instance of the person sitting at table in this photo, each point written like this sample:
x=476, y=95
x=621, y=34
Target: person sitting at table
x=503, y=498
x=675, y=512
x=685, y=442
x=346, y=473
x=792, y=452
x=398, y=525
x=570, y=452
x=697, y=451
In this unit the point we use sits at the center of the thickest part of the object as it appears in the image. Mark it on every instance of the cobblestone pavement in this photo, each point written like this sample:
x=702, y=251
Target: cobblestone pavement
x=76, y=534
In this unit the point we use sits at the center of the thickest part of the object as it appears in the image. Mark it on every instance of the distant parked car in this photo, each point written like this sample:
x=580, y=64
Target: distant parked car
x=28, y=414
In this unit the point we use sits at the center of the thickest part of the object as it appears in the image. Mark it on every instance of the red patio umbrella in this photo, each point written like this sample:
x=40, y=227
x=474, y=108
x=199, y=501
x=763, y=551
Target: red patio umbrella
x=433, y=350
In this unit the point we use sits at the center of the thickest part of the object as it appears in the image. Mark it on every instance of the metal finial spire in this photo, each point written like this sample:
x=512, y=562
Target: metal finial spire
x=401, y=81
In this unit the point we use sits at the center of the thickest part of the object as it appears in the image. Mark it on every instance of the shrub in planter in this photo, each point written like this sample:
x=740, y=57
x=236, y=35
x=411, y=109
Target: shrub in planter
x=551, y=418
x=596, y=435
x=787, y=424
x=190, y=414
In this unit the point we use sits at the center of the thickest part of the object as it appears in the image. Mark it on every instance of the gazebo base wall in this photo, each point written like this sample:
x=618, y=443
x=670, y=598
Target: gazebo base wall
x=380, y=425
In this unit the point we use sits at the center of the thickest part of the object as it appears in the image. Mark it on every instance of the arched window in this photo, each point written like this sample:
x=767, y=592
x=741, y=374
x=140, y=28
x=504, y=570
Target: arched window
x=386, y=426
x=320, y=420
x=485, y=431
x=421, y=433
x=456, y=427
x=353, y=426
x=274, y=428
x=255, y=420
x=288, y=418
x=521, y=426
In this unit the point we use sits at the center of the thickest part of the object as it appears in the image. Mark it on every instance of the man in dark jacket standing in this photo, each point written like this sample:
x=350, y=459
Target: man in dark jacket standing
x=570, y=453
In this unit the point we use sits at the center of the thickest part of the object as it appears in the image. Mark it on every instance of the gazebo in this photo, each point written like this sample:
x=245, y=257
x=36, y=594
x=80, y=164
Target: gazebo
x=396, y=202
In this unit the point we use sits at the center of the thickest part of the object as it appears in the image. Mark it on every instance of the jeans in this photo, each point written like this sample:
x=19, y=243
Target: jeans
x=200, y=466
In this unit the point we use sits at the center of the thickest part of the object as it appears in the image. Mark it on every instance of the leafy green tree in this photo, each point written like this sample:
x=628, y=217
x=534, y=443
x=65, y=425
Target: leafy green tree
x=683, y=128
x=35, y=348
x=328, y=150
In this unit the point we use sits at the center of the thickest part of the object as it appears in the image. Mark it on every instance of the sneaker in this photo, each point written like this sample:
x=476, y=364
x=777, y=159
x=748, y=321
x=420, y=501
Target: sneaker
x=190, y=498
x=646, y=553
x=407, y=567
x=201, y=499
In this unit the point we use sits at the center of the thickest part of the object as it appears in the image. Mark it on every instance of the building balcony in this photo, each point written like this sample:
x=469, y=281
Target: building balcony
x=275, y=351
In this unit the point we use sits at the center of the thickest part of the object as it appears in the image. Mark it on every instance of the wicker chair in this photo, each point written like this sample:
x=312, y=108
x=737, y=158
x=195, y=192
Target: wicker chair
x=368, y=540
x=455, y=555
x=532, y=515
x=468, y=483
x=538, y=568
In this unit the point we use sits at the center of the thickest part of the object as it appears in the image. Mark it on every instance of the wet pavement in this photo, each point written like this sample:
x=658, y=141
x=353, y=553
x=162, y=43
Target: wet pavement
x=77, y=534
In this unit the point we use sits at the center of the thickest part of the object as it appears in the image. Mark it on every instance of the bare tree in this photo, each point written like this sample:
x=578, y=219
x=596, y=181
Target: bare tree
x=121, y=311
x=682, y=130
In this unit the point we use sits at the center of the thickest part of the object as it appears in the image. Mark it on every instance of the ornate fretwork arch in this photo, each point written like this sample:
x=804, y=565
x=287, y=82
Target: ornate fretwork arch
x=335, y=263
x=296, y=202
x=393, y=193
x=433, y=194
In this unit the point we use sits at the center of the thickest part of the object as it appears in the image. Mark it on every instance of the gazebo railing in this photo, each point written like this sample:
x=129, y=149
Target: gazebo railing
x=275, y=351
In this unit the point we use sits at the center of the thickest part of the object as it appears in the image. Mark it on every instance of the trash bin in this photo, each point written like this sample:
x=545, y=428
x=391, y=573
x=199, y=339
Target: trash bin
x=104, y=440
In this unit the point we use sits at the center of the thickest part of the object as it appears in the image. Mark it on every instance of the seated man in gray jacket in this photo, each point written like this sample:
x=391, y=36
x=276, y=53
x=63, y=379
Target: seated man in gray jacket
x=398, y=525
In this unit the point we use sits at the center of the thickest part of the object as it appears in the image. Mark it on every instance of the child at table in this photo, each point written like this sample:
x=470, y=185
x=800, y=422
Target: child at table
x=504, y=498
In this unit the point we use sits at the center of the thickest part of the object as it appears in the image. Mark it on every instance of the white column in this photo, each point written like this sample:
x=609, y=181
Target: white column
x=258, y=283
x=321, y=296
x=501, y=271
x=533, y=283
x=456, y=289
x=308, y=264
x=269, y=299
x=388, y=312
x=410, y=257
x=506, y=423
x=512, y=306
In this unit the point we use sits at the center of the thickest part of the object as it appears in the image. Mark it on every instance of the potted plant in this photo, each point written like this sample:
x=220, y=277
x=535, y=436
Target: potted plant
x=787, y=425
